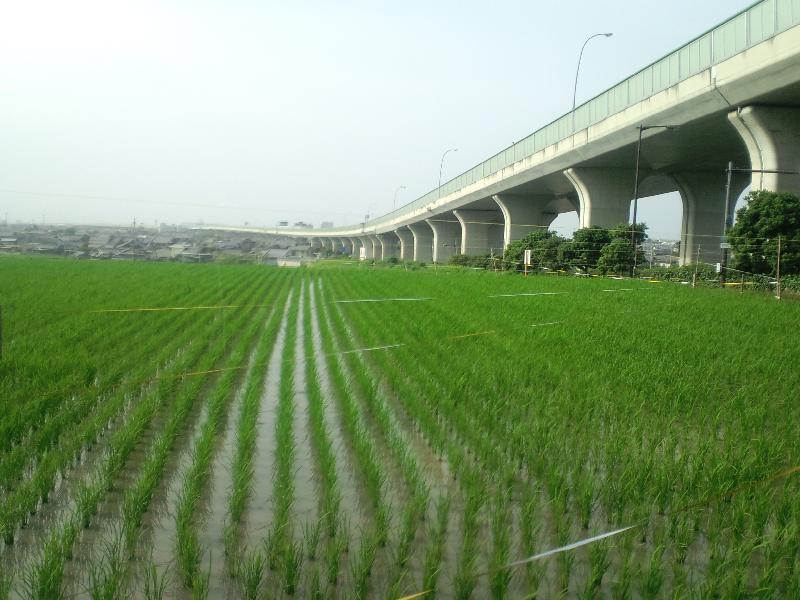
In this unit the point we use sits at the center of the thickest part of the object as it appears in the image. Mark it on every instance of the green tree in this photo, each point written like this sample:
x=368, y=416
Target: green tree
x=754, y=238
x=583, y=251
x=544, y=246
x=618, y=255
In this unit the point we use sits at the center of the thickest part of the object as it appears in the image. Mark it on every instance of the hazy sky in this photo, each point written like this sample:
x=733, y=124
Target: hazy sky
x=234, y=111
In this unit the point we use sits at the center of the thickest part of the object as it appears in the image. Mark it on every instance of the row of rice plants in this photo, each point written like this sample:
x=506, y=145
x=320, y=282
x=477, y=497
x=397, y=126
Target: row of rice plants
x=137, y=498
x=39, y=440
x=472, y=485
x=44, y=576
x=371, y=471
x=538, y=411
x=343, y=501
x=329, y=499
x=111, y=570
x=112, y=347
x=417, y=487
x=150, y=356
x=196, y=478
x=44, y=319
x=420, y=400
x=242, y=466
x=283, y=553
x=113, y=351
x=85, y=436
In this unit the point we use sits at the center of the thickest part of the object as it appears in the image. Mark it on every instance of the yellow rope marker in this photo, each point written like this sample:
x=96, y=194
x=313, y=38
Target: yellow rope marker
x=193, y=373
x=158, y=309
x=417, y=595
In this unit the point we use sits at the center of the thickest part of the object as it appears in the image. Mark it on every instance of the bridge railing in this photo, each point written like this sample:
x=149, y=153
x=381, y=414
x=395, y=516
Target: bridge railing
x=751, y=26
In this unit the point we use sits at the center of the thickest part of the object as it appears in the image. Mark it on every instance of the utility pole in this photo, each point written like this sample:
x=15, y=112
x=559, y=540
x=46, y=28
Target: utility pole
x=729, y=215
x=778, y=271
x=728, y=224
x=641, y=128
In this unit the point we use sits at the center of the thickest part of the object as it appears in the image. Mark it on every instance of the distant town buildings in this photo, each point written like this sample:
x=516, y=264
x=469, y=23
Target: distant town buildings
x=162, y=243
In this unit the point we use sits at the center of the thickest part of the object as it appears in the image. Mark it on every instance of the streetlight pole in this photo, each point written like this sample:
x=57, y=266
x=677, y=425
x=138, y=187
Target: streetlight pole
x=394, y=204
x=441, y=165
x=641, y=128
x=578, y=70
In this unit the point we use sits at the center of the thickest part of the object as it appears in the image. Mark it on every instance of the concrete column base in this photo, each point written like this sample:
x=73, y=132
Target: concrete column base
x=377, y=247
x=604, y=195
x=369, y=249
x=446, y=237
x=389, y=245
x=481, y=231
x=703, y=196
x=423, y=242
x=524, y=214
x=356, y=246
x=406, y=243
x=341, y=246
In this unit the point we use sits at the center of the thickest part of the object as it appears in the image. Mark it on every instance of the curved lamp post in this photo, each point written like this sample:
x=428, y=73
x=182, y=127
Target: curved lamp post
x=441, y=164
x=578, y=70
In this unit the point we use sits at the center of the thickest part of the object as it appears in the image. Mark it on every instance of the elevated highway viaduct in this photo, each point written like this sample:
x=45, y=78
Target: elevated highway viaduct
x=731, y=94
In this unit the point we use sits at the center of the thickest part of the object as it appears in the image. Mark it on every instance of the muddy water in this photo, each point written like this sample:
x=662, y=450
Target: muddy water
x=157, y=537
x=106, y=524
x=212, y=535
x=345, y=458
x=258, y=515
x=306, y=492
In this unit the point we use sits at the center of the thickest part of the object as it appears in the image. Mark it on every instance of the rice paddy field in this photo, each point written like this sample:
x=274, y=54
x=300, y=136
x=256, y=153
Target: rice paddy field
x=237, y=431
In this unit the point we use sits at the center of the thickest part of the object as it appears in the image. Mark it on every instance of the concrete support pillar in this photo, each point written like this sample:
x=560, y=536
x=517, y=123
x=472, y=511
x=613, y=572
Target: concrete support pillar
x=340, y=246
x=316, y=244
x=369, y=249
x=523, y=215
x=389, y=245
x=772, y=137
x=423, y=242
x=703, y=196
x=355, y=244
x=604, y=195
x=481, y=231
x=446, y=237
x=406, y=243
x=377, y=248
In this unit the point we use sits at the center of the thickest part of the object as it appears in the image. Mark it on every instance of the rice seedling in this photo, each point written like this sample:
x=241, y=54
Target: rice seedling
x=107, y=575
x=155, y=583
x=291, y=566
x=311, y=536
x=361, y=568
x=315, y=585
x=250, y=574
